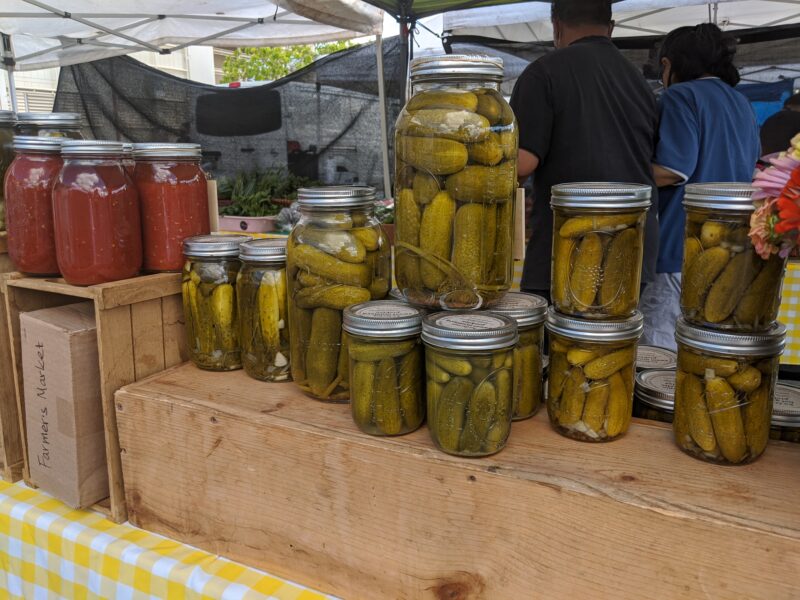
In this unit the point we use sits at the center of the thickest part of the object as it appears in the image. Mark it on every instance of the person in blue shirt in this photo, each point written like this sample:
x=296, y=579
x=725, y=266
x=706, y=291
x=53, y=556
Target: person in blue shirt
x=707, y=133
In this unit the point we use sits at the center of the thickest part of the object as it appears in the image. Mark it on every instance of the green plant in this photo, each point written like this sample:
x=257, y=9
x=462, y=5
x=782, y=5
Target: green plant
x=252, y=194
x=269, y=64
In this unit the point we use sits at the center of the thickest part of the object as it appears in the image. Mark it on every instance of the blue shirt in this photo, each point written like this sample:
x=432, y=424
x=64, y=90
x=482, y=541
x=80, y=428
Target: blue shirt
x=708, y=133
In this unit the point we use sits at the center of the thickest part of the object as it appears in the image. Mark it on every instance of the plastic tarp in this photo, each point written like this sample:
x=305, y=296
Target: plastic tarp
x=411, y=10
x=530, y=21
x=68, y=32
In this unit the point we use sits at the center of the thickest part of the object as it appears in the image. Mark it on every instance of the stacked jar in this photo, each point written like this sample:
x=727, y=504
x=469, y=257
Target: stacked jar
x=728, y=340
x=455, y=176
x=43, y=124
x=598, y=240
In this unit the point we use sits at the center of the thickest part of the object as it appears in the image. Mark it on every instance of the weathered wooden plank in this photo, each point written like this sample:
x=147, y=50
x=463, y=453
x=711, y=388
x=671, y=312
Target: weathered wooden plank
x=261, y=474
x=138, y=289
x=10, y=438
x=148, y=338
x=175, y=346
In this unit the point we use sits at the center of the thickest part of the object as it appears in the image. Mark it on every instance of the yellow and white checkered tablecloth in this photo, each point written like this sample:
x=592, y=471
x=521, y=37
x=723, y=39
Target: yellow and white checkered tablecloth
x=789, y=314
x=50, y=551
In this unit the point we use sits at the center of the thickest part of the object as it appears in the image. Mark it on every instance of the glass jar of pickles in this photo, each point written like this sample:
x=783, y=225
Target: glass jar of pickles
x=598, y=240
x=786, y=413
x=209, y=300
x=386, y=373
x=654, y=395
x=529, y=311
x=46, y=124
x=337, y=255
x=455, y=177
x=263, y=309
x=590, y=385
x=469, y=357
x=725, y=284
x=723, y=392
x=7, y=120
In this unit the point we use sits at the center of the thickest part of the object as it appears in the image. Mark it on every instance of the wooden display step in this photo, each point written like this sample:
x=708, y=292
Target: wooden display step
x=263, y=475
x=140, y=332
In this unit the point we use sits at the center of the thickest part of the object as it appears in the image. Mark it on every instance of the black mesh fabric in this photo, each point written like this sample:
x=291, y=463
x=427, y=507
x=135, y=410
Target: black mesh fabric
x=322, y=122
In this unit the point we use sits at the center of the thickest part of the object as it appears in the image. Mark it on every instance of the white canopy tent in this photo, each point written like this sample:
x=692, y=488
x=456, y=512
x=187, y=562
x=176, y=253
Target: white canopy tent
x=54, y=33
x=530, y=21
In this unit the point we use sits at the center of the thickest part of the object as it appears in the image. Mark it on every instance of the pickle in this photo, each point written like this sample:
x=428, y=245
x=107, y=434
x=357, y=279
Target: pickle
x=368, y=236
x=458, y=125
x=747, y=380
x=433, y=391
x=476, y=183
x=619, y=406
x=488, y=241
x=366, y=352
x=223, y=313
x=339, y=244
x=753, y=308
x=436, y=233
x=468, y=236
x=409, y=380
x=680, y=423
x=604, y=366
x=269, y=313
x=433, y=155
x=563, y=248
x=479, y=416
x=701, y=275
x=454, y=366
x=508, y=140
x=306, y=279
x=407, y=217
x=586, y=271
x=300, y=332
x=435, y=372
x=489, y=108
x=757, y=414
x=694, y=407
x=281, y=287
x=386, y=399
x=578, y=357
x=322, y=359
x=557, y=374
x=527, y=380
x=455, y=98
x=488, y=152
x=505, y=390
x=361, y=393
x=337, y=297
x=620, y=287
x=501, y=259
x=723, y=407
x=594, y=411
x=325, y=265
x=580, y=226
x=572, y=398
x=379, y=288
x=425, y=187
x=729, y=287
x=450, y=413
x=343, y=368
x=691, y=249
x=690, y=362
x=712, y=233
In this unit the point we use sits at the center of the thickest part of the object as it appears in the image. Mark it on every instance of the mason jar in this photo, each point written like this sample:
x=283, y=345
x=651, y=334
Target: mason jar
x=724, y=388
x=598, y=241
x=655, y=357
x=128, y=162
x=529, y=311
x=455, y=178
x=590, y=385
x=28, y=192
x=469, y=358
x=654, y=395
x=49, y=124
x=725, y=284
x=7, y=121
x=786, y=413
x=209, y=300
x=337, y=255
x=386, y=372
x=261, y=295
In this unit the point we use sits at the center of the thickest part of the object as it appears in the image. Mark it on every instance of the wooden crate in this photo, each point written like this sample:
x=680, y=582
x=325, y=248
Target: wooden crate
x=261, y=474
x=11, y=446
x=139, y=332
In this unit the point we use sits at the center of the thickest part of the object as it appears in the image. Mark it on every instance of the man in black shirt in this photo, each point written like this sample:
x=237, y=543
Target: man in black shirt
x=777, y=131
x=585, y=114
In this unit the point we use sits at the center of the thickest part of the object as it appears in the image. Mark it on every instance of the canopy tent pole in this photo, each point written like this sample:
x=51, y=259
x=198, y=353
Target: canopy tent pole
x=8, y=62
x=387, y=181
x=12, y=89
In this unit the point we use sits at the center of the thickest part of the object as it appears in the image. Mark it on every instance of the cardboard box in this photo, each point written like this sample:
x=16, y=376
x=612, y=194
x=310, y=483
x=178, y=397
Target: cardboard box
x=63, y=408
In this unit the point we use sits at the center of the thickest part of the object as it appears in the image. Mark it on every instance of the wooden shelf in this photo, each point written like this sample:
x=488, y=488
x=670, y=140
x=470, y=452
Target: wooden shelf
x=261, y=474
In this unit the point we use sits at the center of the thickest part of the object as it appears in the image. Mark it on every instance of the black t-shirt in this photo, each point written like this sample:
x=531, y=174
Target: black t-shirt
x=589, y=115
x=778, y=131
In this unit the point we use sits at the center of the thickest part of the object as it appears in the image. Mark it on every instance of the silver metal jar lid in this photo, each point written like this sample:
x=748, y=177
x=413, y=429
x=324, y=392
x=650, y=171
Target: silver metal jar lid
x=91, y=148
x=266, y=251
x=382, y=319
x=600, y=195
x=770, y=343
x=656, y=388
x=53, y=119
x=165, y=150
x=127, y=149
x=728, y=197
x=456, y=66
x=526, y=309
x=213, y=245
x=7, y=116
x=584, y=330
x=469, y=330
x=655, y=357
x=28, y=143
x=786, y=405
x=336, y=196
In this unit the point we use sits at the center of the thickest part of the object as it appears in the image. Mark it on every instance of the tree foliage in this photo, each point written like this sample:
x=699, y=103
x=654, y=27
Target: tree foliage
x=269, y=64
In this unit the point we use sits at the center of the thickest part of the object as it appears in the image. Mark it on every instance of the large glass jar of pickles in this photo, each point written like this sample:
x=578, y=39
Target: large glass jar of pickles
x=598, y=239
x=263, y=309
x=65, y=125
x=529, y=311
x=723, y=392
x=7, y=120
x=455, y=177
x=209, y=300
x=386, y=374
x=337, y=255
x=654, y=395
x=469, y=357
x=725, y=284
x=590, y=386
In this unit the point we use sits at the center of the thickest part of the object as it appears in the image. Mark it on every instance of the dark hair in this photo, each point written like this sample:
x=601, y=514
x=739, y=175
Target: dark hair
x=792, y=101
x=582, y=12
x=700, y=50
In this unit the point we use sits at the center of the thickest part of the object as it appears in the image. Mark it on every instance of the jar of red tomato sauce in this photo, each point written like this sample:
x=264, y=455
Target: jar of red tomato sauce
x=29, y=205
x=174, y=196
x=96, y=211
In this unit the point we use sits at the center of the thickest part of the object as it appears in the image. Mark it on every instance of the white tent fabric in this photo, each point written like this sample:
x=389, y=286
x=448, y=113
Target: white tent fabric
x=66, y=32
x=530, y=21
